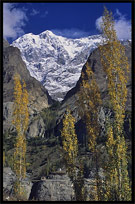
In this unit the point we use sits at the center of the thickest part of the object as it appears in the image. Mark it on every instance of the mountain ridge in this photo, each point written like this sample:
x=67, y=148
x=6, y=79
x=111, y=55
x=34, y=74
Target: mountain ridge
x=54, y=60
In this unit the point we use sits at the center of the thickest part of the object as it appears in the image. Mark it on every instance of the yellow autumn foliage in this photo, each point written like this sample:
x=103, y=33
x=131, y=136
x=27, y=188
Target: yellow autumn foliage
x=89, y=104
x=116, y=67
x=89, y=101
x=69, y=141
x=20, y=121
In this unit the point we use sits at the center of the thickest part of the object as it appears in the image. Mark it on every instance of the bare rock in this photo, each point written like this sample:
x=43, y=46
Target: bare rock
x=58, y=188
x=9, y=178
x=36, y=128
x=38, y=95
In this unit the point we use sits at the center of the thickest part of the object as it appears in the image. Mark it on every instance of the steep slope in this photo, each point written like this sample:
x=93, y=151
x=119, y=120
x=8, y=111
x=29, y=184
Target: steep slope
x=70, y=99
x=38, y=96
x=95, y=64
x=55, y=61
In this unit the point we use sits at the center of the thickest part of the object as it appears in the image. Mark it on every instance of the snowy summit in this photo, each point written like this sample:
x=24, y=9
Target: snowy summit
x=54, y=60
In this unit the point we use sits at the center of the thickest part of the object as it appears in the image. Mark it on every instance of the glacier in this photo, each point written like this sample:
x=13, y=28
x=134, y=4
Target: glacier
x=54, y=60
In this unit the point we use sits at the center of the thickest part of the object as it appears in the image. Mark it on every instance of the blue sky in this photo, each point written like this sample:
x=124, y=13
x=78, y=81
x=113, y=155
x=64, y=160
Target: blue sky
x=72, y=20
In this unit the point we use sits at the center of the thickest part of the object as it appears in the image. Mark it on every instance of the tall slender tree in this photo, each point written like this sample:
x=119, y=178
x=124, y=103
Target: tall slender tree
x=70, y=142
x=111, y=181
x=20, y=121
x=89, y=105
x=70, y=146
x=116, y=67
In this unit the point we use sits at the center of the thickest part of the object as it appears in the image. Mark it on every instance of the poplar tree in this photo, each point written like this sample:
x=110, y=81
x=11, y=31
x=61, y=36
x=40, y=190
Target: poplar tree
x=20, y=121
x=111, y=180
x=70, y=146
x=89, y=105
x=116, y=67
x=70, y=143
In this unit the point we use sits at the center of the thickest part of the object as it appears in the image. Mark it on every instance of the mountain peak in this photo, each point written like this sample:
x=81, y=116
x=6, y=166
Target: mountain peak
x=54, y=60
x=46, y=33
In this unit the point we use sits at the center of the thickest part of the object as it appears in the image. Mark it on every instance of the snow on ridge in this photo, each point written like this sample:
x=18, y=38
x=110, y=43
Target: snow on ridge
x=54, y=60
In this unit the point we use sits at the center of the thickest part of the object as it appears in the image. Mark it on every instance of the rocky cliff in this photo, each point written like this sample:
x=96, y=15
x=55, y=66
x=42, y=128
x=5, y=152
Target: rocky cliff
x=38, y=95
x=101, y=79
x=71, y=97
x=9, y=179
x=57, y=187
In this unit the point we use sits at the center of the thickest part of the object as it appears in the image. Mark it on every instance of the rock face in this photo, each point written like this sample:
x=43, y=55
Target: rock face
x=100, y=76
x=58, y=188
x=9, y=179
x=36, y=128
x=70, y=99
x=38, y=96
x=5, y=43
x=7, y=116
x=27, y=184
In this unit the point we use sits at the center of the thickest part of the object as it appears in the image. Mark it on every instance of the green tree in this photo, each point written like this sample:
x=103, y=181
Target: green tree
x=20, y=121
x=116, y=67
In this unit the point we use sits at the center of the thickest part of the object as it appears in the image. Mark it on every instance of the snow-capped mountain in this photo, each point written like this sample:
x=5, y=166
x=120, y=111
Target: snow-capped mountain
x=54, y=60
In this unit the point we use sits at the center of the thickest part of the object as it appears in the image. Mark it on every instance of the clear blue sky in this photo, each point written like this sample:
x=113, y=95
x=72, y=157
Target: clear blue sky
x=68, y=19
